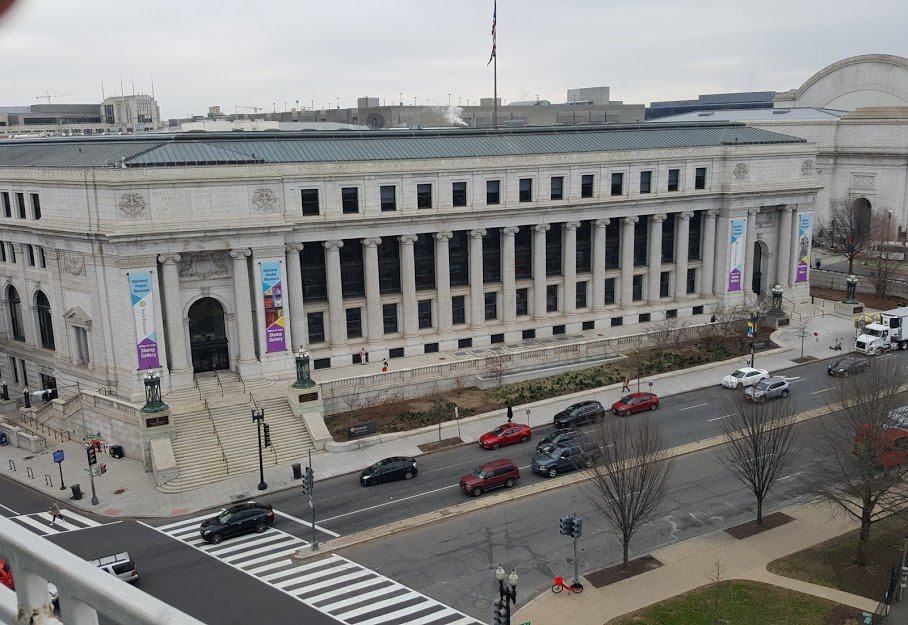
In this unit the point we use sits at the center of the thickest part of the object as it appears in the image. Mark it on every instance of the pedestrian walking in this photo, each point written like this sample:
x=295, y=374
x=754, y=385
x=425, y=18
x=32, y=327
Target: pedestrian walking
x=818, y=262
x=626, y=384
x=55, y=513
x=510, y=413
x=384, y=365
x=363, y=356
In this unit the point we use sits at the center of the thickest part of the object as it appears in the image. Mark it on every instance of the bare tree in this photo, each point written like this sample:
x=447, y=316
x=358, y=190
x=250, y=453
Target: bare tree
x=883, y=254
x=630, y=480
x=847, y=230
x=761, y=444
x=666, y=335
x=498, y=366
x=725, y=322
x=858, y=467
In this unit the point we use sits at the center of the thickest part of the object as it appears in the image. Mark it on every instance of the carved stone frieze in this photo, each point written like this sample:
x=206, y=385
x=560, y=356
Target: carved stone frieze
x=132, y=204
x=740, y=172
x=204, y=265
x=807, y=168
x=73, y=264
x=862, y=180
x=264, y=200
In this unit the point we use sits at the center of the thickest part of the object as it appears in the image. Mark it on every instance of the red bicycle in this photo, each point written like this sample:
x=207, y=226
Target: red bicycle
x=560, y=585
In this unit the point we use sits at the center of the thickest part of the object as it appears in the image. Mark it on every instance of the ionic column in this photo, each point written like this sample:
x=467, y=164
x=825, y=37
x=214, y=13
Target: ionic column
x=337, y=319
x=176, y=338
x=299, y=332
x=569, y=259
x=477, y=302
x=243, y=305
x=709, y=253
x=784, y=248
x=374, y=325
x=682, y=249
x=750, y=236
x=443, y=280
x=508, y=276
x=539, y=231
x=627, y=260
x=599, y=263
x=654, y=257
x=408, y=284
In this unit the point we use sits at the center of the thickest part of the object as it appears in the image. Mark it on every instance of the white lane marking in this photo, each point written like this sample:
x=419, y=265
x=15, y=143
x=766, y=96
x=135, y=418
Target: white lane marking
x=794, y=379
x=450, y=466
x=306, y=523
x=388, y=503
x=822, y=390
x=731, y=414
x=691, y=407
x=197, y=520
x=10, y=509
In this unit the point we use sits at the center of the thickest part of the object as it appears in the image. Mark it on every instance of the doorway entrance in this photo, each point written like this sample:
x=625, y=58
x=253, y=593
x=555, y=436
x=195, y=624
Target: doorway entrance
x=760, y=260
x=208, y=336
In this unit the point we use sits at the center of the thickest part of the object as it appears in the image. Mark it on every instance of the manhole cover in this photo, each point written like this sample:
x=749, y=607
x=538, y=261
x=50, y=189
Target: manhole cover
x=119, y=491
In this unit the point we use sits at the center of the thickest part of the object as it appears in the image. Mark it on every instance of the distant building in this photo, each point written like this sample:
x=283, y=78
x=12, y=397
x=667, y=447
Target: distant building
x=126, y=114
x=712, y=102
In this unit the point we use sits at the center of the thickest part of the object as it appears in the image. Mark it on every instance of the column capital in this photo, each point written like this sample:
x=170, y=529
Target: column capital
x=788, y=208
x=444, y=235
x=478, y=233
x=169, y=259
x=240, y=253
x=631, y=220
x=290, y=248
x=602, y=223
x=713, y=212
x=542, y=227
x=510, y=230
x=686, y=215
x=333, y=245
x=571, y=225
x=752, y=211
x=407, y=239
x=372, y=242
x=658, y=218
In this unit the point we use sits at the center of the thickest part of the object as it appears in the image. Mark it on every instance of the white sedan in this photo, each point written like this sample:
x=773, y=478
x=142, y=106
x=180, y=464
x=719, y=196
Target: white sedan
x=745, y=376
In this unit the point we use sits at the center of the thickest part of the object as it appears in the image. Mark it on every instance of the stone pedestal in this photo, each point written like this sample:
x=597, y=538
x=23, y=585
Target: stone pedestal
x=307, y=404
x=849, y=308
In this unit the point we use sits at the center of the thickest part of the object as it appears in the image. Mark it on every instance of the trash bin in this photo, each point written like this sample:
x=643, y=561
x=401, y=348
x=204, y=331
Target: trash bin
x=3, y=439
x=77, y=491
x=116, y=451
x=297, y=471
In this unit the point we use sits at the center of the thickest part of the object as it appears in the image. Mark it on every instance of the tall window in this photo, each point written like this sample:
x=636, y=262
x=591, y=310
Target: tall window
x=526, y=189
x=424, y=195
x=584, y=246
x=700, y=178
x=388, y=197
x=20, y=204
x=693, y=239
x=458, y=310
x=586, y=185
x=580, y=300
x=646, y=181
x=82, y=352
x=493, y=191
x=389, y=318
x=459, y=193
x=664, y=283
x=551, y=298
x=609, y=291
x=424, y=311
x=692, y=280
x=424, y=261
x=523, y=302
x=389, y=265
x=641, y=235
x=459, y=258
x=553, y=250
x=353, y=283
x=674, y=179
x=557, y=188
x=309, y=198
x=312, y=265
x=350, y=200
x=15, y=314
x=637, y=290
x=491, y=306
x=491, y=256
x=618, y=183
x=523, y=253
x=612, y=244
x=36, y=203
x=7, y=207
x=354, y=323
x=42, y=259
x=668, y=238
x=316, y=323
x=12, y=253
x=30, y=254
x=2, y=251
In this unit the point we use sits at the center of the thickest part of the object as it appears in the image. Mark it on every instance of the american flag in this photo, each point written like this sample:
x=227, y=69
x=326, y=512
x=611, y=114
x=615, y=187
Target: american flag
x=494, y=20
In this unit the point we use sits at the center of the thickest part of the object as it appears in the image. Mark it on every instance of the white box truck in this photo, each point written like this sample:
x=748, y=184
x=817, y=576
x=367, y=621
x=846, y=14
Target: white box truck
x=891, y=332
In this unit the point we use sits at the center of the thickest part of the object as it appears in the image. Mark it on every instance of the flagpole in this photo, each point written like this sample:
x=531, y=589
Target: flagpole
x=495, y=94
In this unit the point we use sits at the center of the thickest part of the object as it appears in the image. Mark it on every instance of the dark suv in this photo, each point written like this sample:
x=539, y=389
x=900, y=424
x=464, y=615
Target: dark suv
x=558, y=437
x=490, y=475
x=241, y=518
x=579, y=414
x=572, y=455
x=393, y=468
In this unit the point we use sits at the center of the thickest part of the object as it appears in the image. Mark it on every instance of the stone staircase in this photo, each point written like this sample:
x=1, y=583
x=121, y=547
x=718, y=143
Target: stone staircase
x=215, y=437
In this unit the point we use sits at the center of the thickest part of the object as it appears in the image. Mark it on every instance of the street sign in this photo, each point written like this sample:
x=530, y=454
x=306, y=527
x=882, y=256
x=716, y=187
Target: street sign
x=58, y=456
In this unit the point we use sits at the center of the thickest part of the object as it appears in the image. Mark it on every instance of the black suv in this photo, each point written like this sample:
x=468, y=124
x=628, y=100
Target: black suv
x=579, y=414
x=241, y=518
x=572, y=455
x=558, y=437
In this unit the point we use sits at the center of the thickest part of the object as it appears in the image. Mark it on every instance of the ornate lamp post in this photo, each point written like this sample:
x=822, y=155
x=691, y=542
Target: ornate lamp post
x=153, y=402
x=777, y=300
x=507, y=594
x=302, y=370
x=851, y=288
x=258, y=417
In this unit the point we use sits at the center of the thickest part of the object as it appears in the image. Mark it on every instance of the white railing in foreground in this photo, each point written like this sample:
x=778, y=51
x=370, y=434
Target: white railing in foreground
x=84, y=589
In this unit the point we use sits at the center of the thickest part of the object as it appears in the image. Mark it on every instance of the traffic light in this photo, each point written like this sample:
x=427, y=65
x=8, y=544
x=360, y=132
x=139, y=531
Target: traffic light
x=305, y=485
x=92, y=456
x=567, y=524
x=903, y=581
x=308, y=478
x=267, y=429
x=576, y=526
x=501, y=612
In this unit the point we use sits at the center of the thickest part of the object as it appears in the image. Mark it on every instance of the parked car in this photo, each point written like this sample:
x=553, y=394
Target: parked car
x=120, y=565
x=567, y=456
x=556, y=438
x=388, y=470
x=506, y=434
x=6, y=574
x=847, y=365
x=241, y=518
x=579, y=414
x=494, y=474
x=635, y=402
x=884, y=444
x=745, y=376
x=770, y=388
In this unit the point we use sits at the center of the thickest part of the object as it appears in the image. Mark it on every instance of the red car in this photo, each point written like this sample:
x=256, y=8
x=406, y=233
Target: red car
x=635, y=402
x=506, y=434
x=6, y=574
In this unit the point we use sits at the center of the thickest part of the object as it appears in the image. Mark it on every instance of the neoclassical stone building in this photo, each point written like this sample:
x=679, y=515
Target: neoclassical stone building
x=188, y=254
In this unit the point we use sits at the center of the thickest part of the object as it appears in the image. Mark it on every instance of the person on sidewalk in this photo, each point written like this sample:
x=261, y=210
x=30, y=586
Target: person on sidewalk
x=384, y=365
x=819, y=262
x=55, y=513
x=363, y=356
x=510, y=413
x=625, y=385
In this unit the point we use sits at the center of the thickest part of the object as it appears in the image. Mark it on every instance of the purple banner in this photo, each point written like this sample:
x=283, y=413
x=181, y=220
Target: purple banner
x=140, y=289
x=273, y=293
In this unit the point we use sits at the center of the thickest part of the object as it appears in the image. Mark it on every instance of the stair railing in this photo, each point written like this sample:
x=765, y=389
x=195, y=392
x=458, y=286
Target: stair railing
x=216, y=436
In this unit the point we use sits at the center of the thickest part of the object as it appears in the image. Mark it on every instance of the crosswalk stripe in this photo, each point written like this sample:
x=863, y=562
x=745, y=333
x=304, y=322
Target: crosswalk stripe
x=298, y=569
x=270, y=556
x=435, y=616
x=324, y=600
x=305, y=578
x=68, y=515
x=43, y=528
x=193, y=521
x=382, y=604
x=335, y=608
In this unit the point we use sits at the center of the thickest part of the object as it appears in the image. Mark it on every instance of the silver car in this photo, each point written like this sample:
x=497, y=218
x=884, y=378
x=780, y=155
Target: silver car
x=770, y=388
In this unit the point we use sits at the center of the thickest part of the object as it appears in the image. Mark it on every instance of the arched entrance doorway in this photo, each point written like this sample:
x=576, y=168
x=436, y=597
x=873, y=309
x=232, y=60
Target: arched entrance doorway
x=861, y=214
x=760, y=260
x=208, y=336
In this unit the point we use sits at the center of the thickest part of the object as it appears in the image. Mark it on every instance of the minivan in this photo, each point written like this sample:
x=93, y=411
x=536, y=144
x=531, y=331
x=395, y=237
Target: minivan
x=120, y=565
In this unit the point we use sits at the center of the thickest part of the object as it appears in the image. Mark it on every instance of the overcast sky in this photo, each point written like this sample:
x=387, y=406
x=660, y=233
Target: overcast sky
x=273, y=53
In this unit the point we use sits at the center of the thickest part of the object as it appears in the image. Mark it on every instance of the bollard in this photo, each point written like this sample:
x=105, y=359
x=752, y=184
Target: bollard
x=48, y=480
x=29, y=472
x=12, y=465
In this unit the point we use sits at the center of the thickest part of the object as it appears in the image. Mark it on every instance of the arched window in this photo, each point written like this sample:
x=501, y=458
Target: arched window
x=45, y=325
x=15, y=314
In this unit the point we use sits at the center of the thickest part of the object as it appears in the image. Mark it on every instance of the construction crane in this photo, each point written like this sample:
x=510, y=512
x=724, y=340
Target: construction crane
x=254, y=109
x=47, y=96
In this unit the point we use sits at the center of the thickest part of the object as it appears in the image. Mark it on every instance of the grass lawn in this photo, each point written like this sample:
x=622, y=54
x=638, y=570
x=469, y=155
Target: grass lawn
x=740, y=602
x=831, y=563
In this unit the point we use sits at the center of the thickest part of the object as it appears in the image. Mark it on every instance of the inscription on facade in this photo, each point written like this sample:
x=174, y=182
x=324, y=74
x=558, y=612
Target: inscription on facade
x=197, y=203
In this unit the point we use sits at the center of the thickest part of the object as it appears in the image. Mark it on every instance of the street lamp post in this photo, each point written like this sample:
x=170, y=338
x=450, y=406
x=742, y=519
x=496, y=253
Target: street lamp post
x=258, y=417
x=507, y=594
x=754, y=324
